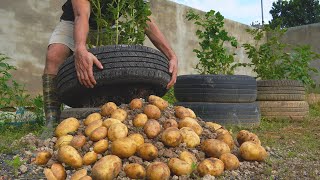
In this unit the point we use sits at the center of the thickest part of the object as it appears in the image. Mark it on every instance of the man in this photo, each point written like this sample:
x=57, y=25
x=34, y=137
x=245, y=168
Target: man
x=70, y=36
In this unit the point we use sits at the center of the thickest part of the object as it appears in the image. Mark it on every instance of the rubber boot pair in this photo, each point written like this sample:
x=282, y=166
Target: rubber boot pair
x=52, y=105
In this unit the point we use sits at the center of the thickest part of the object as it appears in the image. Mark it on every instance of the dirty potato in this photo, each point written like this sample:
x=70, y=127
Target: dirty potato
x=188, y=157
x=170, y=123
x=58, y=171
x=152, y=128
x=123, y=147
x=108, y=122
x=43, y=157
x=70, y=156
x=147, y=151
x=116, y=131
x=63, y=140
x=135, y=171
x=107, y=168
x=230, y=161
x=192, y=114
x=108, y=108
x=227, y=138
x=152, y=111
x=78, y=141
x=245, y=135
x=158, y=101
x=140, y=120
x=79, y=174
x=90, y=157
x=214, y=148
x=119, y=114
x=179, y=167
x=136, y=104
x=171, y=137
x=92, y=126
x=191, y=123
x=181, y=112
x=49, y=174
x=91, y=118
x=101, y=146
x=251, y=151
x=213, y=126
x=190, y=137
x=158, y=171
x=137, y=138
x=99, y=133
x=211, y=166
x=67, y=126
x=86, y=178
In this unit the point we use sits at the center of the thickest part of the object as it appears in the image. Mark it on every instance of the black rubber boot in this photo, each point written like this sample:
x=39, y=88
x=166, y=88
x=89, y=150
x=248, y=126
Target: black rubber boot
x=52, y=105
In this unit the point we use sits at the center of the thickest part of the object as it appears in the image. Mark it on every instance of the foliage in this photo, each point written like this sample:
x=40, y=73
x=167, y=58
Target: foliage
x=213, y=56
x=294, y=13
x=169, y=96
x=120, y=22
x=15, y=163
x=278, y=60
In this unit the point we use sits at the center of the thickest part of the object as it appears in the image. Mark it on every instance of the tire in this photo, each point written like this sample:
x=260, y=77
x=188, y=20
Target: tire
x=129, y=72
x=242, y=114
x=295, y=110
x=215, y=88
x=280, y=90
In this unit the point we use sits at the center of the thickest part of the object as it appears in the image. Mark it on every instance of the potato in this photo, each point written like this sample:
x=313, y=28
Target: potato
x=86, y=178
x=158, y=171
x=63, y=140
x=43, y=157
x=101, y=146
x=227, y=138
x=213, y=126
x=230, y=161
x=181, y=112
x=251, y=151
x=70, y=156
x=117, y=131
x=191, y=123
x=107, y=168
x=190, y=137
x=245, y=135
x=67, y=126
x=188, y=157
x=222, y=131
x=108, y=108
x=123, y=147
x=158, y=101
x=170, y=123
x=119, y=114
x=171, y=137
x=210, y=166
x=192, y=114
x=89, y=158
x=140, y=120
x=91, y=118
x=78, y=141
x=152, y=128
x=58, y=171
x=99, y=133
x=92, y=126
x=135, y=171
x=147, y=151
x=152, y=111
x=179, y=167
x=214, y=148
x=108, y=122
x=79, y=174
x=137, y=138
x=136, y=104
x=49, y=174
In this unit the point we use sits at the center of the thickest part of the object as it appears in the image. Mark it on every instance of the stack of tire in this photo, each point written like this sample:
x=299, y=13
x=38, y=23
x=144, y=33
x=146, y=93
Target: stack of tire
x=282, y=99
x=224, y=99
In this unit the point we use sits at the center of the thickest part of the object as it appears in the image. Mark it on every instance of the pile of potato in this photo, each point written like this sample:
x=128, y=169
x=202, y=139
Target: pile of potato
x=116, y=137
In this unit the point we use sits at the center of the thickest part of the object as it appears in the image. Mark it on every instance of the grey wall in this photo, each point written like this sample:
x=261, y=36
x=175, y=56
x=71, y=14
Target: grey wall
x=26, y=26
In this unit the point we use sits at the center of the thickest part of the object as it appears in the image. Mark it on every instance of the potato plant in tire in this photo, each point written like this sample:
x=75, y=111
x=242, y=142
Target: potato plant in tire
x=129, y=71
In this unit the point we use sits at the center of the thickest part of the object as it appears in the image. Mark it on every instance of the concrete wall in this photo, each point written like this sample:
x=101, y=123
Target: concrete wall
x=306, y=35
x=26, y=26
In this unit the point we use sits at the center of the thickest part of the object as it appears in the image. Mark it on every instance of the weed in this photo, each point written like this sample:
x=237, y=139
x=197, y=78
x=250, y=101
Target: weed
x=15, y=163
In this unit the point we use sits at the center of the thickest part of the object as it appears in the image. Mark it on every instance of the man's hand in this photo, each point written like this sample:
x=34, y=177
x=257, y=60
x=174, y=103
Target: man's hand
x=173, y=69
x=84, y=61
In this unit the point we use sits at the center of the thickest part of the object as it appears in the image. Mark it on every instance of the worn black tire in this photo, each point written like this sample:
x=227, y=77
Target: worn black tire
x=216, y=88
x=295, y=110
x=241, y=114
x=280, y=90
x=130, y=71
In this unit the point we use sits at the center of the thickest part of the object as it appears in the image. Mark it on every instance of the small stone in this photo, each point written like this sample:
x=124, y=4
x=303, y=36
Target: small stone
x=23, y=169
x=28, y=153
x=54, y=139
x=175, y=177
x=46, y=143
x=268, y=148
x=234, y=173
x=208, y=177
